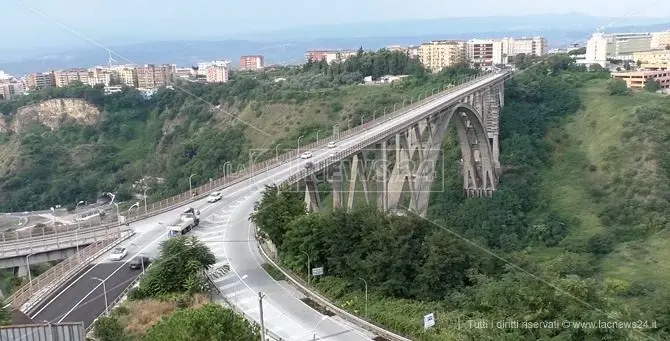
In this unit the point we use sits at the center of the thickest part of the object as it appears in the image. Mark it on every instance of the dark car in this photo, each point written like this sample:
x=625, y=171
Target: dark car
x=136, y=263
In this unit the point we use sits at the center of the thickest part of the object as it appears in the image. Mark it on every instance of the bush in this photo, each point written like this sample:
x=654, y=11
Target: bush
x=617, y=87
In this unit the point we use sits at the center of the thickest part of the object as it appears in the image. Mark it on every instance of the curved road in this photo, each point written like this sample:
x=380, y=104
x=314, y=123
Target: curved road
x=226, y=230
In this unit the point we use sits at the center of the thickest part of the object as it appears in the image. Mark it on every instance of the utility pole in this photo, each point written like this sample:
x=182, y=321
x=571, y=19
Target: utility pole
x=260, y=302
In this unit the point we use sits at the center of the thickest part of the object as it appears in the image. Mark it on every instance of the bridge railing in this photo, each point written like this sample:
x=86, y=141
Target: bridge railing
x=21, y=240
x=52, y=276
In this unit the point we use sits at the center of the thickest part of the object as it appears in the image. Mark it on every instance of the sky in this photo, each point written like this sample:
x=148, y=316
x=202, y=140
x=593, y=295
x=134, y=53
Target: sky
x=66, y=22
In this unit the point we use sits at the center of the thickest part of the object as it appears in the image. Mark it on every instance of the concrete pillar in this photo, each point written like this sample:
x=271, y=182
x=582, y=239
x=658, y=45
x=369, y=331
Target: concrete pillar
x=358, y=172
x=312, y=194
x=337, y=185
x=381, y=174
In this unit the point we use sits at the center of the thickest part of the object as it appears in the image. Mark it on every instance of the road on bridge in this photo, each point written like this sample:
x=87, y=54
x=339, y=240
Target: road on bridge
x=226, y=230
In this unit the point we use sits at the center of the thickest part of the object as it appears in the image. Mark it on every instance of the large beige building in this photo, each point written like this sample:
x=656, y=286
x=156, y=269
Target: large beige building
x=66, y=77
x=40, y=80
x=654, y=59
x=660, y=40
x=439, y=54
x=485, y=53
x=329, y=56
x=127, y=75
x=636, y=79
x=256, y=62
x=217, y=73
x=152, y=76
x=621, y=46
x=533, y=46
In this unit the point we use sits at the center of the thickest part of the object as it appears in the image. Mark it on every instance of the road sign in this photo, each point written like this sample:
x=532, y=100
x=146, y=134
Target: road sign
x=317, y=271
x=428, y=321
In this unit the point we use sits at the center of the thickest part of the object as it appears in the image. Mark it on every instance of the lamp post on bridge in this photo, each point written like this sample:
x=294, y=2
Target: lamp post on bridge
x=30, y=278
x=277, y=150
x=317, y=137
x=299, y=137
x=118, y=219
x=135, y=205
x=145, y=200
x=190, y=187
x=81, y=202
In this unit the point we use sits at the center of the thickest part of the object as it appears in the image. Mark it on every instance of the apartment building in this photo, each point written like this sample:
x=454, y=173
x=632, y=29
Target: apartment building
x=603, y=46
x=255, y=62
x=660, y=40
x=64, y=78
x=329, y=56
x=127, y=75
x=185, y=73
x=411, y=51
x=41, y=80
x=154, y=76
x=439, y=54
x=533, y=46
x=654, y=59
x=99, y=75
x=636, y=79
x=217, y=73
x=485, y=53
x=10, y=88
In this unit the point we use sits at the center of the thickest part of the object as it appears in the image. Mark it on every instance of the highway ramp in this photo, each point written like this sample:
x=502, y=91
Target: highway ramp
x=82, y=298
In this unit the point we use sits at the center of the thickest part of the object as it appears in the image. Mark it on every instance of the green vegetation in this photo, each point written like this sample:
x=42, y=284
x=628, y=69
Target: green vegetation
x=273, y=272
x=170, y=302
x=618, y=87
x=178, y=133
x=5, y=317
x=576, y=227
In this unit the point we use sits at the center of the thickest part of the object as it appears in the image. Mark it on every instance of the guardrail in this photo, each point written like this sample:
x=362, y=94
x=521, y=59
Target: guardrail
x=26, y=239
x=39, y=287
x=367, y=325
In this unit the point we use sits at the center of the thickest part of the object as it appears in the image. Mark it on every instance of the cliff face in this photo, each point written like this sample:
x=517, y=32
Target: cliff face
x=52, y=113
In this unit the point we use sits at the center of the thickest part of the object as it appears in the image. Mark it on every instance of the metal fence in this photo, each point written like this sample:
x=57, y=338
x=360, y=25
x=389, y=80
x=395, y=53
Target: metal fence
x=68, y=331
x=25, y=239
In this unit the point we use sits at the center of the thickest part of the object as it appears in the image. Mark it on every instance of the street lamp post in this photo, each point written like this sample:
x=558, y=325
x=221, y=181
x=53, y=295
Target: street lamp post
x=81, y=202
x=135, y=205
x=299, y=137
x=53, y=217
x=277, y=150
x=104, y=290
x=317, y=137
x=190, y=187
x=366, y=295
x=145, y=200
x=30, y=277
x=118, y=218
x=308, y=267
x=260, y=303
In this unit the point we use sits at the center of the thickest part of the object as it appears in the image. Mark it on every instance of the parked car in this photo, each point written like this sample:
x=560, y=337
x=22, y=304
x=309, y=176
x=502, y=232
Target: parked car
x=119, y=253
x=306, y=155
x=140, y=262
x=214, y=197
x=332, y=144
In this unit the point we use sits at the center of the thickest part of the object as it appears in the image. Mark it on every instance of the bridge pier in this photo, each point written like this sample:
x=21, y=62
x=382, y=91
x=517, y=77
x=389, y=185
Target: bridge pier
x=406, y=159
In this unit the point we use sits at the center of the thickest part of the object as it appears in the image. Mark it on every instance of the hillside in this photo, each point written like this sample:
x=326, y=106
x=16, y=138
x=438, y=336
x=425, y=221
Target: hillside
x=195, y=129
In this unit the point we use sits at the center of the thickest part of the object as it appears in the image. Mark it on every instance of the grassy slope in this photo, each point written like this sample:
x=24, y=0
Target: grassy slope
x=579, y=169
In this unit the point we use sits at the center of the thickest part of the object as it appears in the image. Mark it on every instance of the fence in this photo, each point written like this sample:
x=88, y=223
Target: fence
x=68, y=231
x=60, y=272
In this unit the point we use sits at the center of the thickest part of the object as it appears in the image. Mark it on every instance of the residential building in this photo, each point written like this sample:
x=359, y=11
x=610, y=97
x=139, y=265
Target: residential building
x=413, y=52
x=485, y=53
x=127, y=75
x=329, y=56
x=184, y=73
x=64, y=78
x=217, y=73
x=654, y=59
x=660, y=40
x=10, y=89
x=255, y=62
x=100, y=75
x=36, y=81
x=636, y=79
x=439, y=54
x=533, y=46
x=602, y=47
x=155, y=76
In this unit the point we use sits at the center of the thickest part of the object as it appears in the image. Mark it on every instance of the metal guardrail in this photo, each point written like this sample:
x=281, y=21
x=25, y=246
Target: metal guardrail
x=367, y=325
x=25, y=242
x=39, y=287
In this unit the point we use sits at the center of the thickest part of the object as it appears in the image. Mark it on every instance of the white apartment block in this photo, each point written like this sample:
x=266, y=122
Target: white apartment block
x=621, y=46
x=533, y=46
x=217, y=73
x=439, y=54
x=660, y=40
x=202, y=67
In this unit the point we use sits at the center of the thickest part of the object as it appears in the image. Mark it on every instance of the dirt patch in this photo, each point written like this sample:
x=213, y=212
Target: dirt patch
x=139, y=316
x=317, y=307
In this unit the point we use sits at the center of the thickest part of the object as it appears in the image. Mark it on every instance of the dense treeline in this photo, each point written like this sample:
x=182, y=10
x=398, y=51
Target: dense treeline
x=375, y=64
x=411, y=258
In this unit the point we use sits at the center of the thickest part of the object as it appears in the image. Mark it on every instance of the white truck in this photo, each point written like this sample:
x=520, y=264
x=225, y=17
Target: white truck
x=187, y=221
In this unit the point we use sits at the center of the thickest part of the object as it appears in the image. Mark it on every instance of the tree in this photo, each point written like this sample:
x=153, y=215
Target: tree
x=179, y=268
x=652, y=85
x=276, y=209
x=108, y=328
x=5, y=316
x=617, y=87
x=212, y=322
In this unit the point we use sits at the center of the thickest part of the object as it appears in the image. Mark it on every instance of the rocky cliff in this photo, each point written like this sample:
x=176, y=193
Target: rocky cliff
x=52, y=114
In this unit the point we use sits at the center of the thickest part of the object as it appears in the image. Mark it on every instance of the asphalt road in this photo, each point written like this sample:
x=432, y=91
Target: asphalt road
x=226, y=230
x=83, y=299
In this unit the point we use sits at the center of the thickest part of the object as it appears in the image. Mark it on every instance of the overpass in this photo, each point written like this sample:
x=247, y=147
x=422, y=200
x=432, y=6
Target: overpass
x=417, y=131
